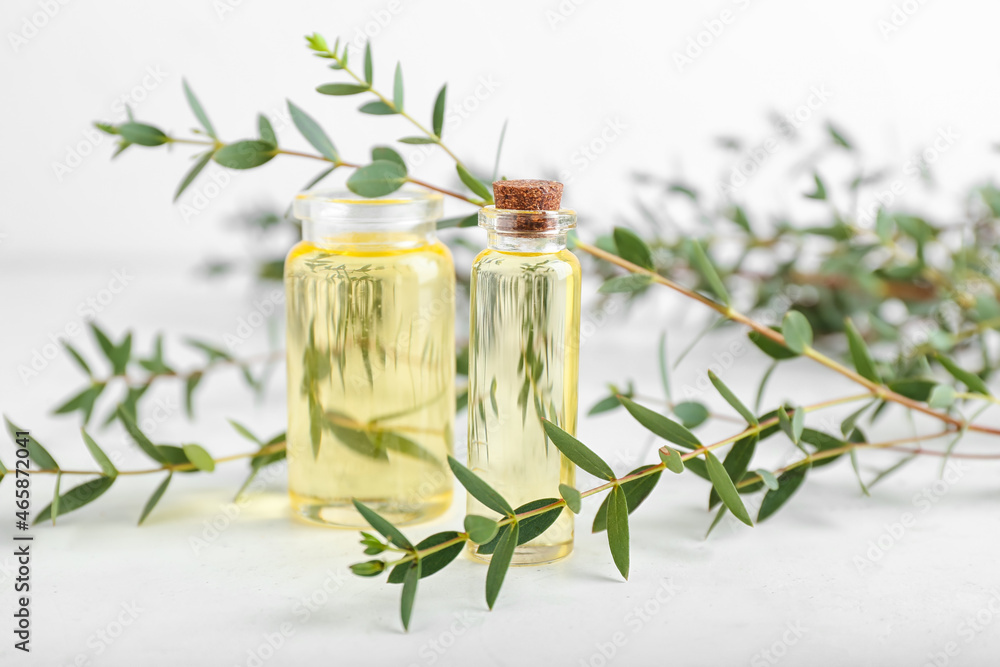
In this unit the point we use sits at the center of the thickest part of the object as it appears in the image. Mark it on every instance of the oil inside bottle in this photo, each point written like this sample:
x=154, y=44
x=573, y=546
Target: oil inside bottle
x=370, y=377
x=524, y=351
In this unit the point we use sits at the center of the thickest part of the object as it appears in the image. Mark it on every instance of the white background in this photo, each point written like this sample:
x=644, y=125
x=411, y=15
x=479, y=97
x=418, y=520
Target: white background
x=559, y=82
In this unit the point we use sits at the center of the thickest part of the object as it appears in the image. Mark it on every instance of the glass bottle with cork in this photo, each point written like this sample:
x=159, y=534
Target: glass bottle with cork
x=524, y=356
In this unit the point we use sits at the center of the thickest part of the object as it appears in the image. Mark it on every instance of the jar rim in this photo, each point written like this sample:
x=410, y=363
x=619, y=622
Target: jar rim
x=340, y=205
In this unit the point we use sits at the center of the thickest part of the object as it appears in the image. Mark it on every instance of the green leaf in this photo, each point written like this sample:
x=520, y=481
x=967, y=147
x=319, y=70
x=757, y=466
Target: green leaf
x=84, y=402
x=192, y=173
x=386, y=153
x=369, y=568
x=618, y=538
x=577, y=452
x=380, y=178
x=788, y=483
x=142, y=135
x=857, y=472
x=732, y=400
x=739, y=216
x=198, y=457
x=691, y=413
x=529, y=527
x=859, y=353
x=397, y=88
x=635, y=491
x=698, y=467
x=107, y=467
x=707, y=270
x=672, y=459
x=664, y=370
x=117, y=355
x=820, y=191
x=280, y=264
x=265, y=130
x=155, y=498
x=718, y=519
x=970, y=380
x=822, y=442
x=78, y=359
x=145, y=444
x=916, y=388
x=633, y=249
x=837, y=136
x=768, y=479
x=942, y=397
x=660, y=425
x=245, y=154
x=418, y=140
x=387, y=530
x=792, y=426
x=771, y=348
x=369, y=65
x=737, y=461
x=479, y=489
x=313, y=133
x=572, y=497
x=500, y=562
x=431, y=563
x=604, y=405
x=438, y=120
x=244, y=431
x=798, y=334
x=725, y=488
x=199, y=112
x=342, y=88
x=409, y=592
x=36, y=451
x=76, y=498
x=189, y=386
x=481, y=189
x=377, y=108
x=632, y=282
x=480, y=529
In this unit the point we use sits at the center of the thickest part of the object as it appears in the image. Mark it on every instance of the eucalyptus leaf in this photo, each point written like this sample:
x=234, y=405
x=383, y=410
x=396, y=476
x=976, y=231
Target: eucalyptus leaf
x=313, y=133
x=479, y=489
x=500, y=562
x=665, y=428
x=577, y=452
x=618, y=532
x=633, y=249
x=245, y=154
x=381, y=177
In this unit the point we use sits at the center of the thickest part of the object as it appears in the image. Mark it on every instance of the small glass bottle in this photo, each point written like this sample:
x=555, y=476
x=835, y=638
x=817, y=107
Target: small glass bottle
x=371, y=358
x=524, y=356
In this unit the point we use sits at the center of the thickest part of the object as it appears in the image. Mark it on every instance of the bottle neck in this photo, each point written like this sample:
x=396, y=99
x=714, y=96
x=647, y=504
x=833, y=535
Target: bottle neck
x=526, y=243
x=369, y=234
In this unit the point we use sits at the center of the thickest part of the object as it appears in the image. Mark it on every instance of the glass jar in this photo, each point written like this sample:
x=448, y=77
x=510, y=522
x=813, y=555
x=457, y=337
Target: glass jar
x=371, y=358
x=524, y=365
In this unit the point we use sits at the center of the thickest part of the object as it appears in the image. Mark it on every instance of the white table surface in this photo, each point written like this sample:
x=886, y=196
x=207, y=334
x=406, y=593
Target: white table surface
x=799, y=589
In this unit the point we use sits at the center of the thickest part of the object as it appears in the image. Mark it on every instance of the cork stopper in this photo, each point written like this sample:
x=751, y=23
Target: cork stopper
x=528, y=195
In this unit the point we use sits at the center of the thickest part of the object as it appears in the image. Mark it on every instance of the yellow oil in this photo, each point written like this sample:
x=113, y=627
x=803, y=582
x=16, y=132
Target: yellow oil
x=524, y=361
x=371, y=368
